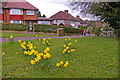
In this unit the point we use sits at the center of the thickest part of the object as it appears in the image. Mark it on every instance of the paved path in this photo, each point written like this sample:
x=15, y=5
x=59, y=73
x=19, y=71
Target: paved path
x=33, y=38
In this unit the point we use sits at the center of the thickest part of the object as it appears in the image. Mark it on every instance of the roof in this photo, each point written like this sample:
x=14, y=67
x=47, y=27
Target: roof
x=63, y=16
x=22, y=5
x=79, y=19
x=45, y=19
x=30, y=19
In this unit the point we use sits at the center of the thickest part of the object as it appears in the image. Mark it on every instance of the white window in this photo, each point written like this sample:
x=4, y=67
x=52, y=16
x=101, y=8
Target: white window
x=1, y=21
x=1, y=11
x=44, y=22
x=16, y=21
x=16, y=11
x=30, y=12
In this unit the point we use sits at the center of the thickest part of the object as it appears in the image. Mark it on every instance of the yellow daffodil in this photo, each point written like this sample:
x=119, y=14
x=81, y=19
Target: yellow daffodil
x=11, y=37
x=47, y=49
x=75, y=40
x=65, y=39
x=19, y=41
x=36, y=36
x=72, y=50
x=32, y=62
x=38, y=58
x=41, y=54
x=43, y=39
x=48, y=55
x=25, y=52
x=67, y=47
x=34, y=47
x=69, y=44
x=69, y=39
x=58, y=64
x=3, y=53
x=44, y=56
x=39, y=39
x=43, y=42
x=64, y=45
x=65, y=65
x=16, y=52
x=61, y=62
x=68, y=51
x=36, y=52
x=48, y=43
x=63, y=52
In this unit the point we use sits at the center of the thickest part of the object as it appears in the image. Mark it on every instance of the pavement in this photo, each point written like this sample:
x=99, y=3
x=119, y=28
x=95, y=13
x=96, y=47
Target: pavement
x=33, y=38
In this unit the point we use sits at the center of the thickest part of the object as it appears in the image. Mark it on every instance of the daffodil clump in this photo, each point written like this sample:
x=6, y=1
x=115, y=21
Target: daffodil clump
x=67, y=47
x=11, y=39
x=3, y=53
x=41, y=56
x=62, y=64
x=46, y=41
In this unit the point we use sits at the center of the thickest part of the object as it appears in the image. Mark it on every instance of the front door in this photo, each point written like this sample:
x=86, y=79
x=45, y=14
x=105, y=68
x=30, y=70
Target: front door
x=30, y=25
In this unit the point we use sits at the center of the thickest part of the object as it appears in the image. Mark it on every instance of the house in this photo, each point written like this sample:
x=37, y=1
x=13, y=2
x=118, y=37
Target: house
x=43, y=20
x=18, y=12
x=79, y=22
x=64, y=18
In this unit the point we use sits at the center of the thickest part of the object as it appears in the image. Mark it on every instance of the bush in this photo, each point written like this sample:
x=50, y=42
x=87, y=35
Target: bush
x=53, y=28
x=14, y=27
x=97, y=31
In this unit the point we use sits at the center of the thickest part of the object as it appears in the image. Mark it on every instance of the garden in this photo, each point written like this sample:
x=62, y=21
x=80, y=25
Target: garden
x=87, y=57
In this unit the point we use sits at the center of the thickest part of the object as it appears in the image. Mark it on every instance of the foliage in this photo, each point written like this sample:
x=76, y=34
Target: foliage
x=14, y=27
x=97, y=31
x=53, y=28
x=39, y=14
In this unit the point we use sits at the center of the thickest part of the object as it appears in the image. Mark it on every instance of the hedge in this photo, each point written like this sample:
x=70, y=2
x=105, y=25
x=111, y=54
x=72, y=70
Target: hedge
x=53, y=28
x=14, y=27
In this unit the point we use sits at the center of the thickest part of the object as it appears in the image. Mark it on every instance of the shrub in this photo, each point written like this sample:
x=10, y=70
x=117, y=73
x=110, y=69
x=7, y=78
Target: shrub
x=14, y=27
x=97, y=31
x=53, y=28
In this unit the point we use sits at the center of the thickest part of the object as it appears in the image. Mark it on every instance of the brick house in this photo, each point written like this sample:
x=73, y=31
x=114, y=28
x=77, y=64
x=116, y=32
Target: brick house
x=63, y=18
x=43, y=20
x=18, y=12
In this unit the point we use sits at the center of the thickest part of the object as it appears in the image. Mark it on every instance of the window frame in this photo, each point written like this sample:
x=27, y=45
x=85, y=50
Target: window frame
x=31, y=12
x=16, y=11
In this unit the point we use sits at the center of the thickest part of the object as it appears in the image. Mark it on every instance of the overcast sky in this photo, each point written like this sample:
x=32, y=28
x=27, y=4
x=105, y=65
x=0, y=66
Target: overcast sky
x=50, y=7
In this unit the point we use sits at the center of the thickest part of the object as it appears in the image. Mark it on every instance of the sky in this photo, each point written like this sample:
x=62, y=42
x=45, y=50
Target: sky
x=51, y=7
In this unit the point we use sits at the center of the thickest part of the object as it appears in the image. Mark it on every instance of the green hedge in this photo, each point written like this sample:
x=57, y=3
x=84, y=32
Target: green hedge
x=53, y=28
x=14, y=27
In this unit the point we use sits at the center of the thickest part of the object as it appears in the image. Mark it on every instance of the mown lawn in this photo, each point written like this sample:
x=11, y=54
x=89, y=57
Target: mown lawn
x=4, y=35
x=95, y=57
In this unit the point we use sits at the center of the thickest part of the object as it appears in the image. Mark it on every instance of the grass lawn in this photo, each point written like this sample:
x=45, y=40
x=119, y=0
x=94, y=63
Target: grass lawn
x=4, y=35
x=95, y=57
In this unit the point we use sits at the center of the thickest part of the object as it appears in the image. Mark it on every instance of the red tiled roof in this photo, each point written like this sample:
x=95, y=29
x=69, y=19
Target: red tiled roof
x=45, y=19
x=79, y=19
x=63, y=15
x=30, y=19
x=23, y=5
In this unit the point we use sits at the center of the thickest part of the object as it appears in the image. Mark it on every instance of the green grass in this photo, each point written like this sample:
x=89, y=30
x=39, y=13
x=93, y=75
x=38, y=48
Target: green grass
x=4, y=35
x=95, y=57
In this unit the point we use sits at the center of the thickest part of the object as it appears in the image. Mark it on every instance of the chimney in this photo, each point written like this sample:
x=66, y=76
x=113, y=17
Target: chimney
x=77, y=17
x=66, y=11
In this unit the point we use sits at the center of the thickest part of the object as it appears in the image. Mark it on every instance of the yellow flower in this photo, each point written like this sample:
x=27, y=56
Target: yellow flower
x=67, y=47
x=72, y=50
x=69, y=44
x=68, y=51
x=3, y=53
x=36, y=52
x=58, y=64
x=61, y=62
x=43, y=42
x=65, y=65
x=48, y=43
x=65, y=50
x=48, y=55
x=75, y=40
x=36, y=35
x=16, y=52
x=64, y=45
x=69, y=39
x=41, y=54
x=34, y=47
x=39, y=40
x=44, y=56
x=19, y=41
x=23, y=46
x=32, y=51
x=32, y=62
x=65, y=39
x=47, y=49
x=38, y=58
x=26, y=52
x=11, y=37
x=43, y=39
